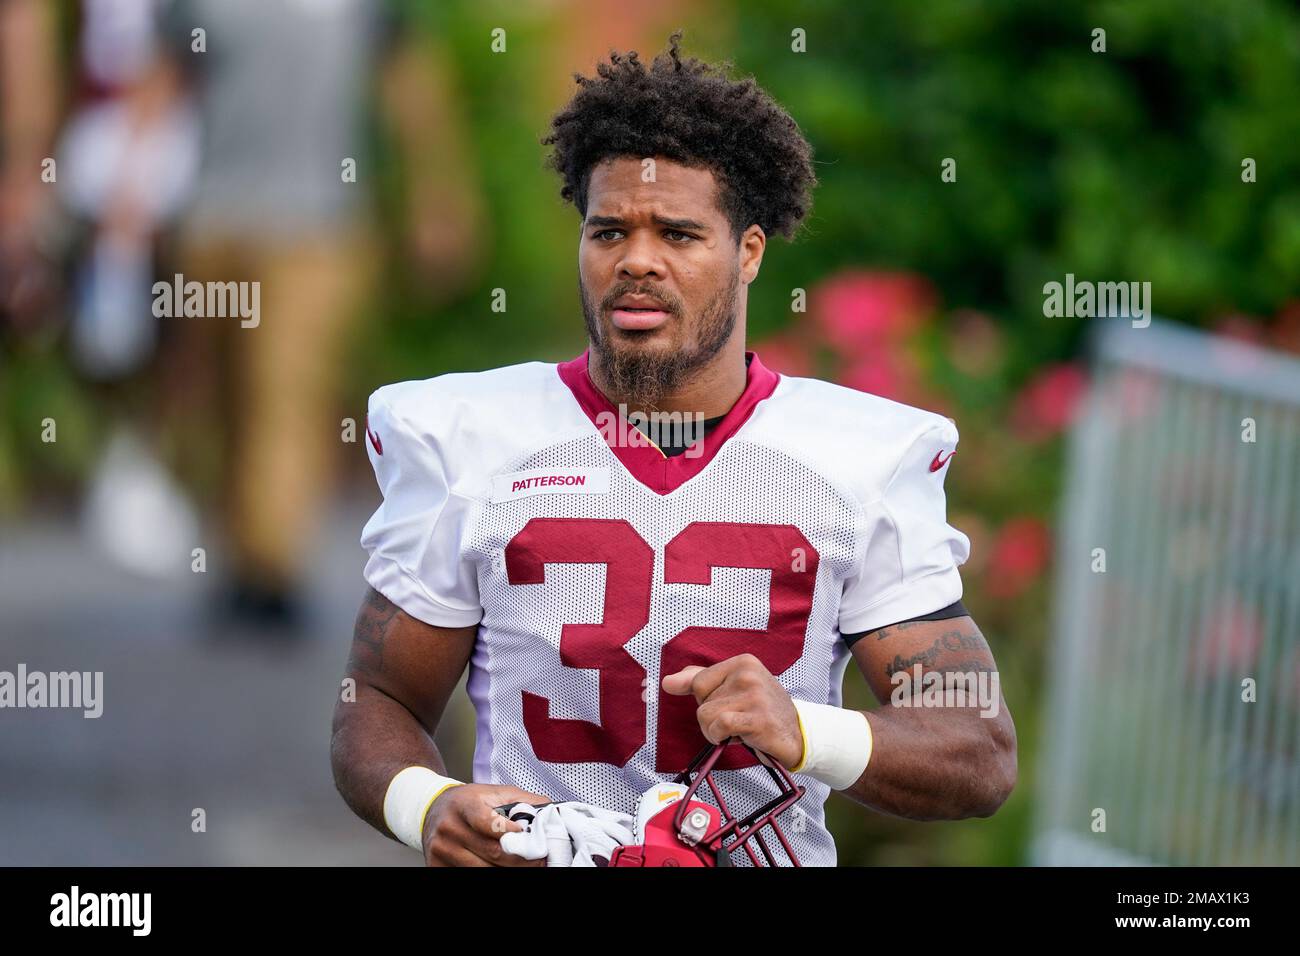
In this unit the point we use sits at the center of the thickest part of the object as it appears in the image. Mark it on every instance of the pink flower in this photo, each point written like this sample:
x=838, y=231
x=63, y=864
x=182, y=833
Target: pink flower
x=1047, y=405
x=1133, y=395
x=1019, y=555
x=889, y=373
x=1228, y=642
x=786, y=353
x=1234, y=330
x=1285, y=330
x=860, y=310
x=1242, y=328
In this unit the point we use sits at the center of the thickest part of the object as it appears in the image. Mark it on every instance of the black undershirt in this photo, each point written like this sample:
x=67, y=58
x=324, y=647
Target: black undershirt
x=672, y=451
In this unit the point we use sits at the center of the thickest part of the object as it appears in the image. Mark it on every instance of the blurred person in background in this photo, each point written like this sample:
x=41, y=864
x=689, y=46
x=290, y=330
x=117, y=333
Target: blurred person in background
x=127, y=158
x=280, y=92
x=29, y=112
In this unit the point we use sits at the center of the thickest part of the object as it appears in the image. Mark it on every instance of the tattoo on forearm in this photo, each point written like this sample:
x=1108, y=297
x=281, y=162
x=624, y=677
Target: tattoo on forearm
x=953, y=640
x=926, y=657
x=885, y=632
x=376, y=614
x=973, y=666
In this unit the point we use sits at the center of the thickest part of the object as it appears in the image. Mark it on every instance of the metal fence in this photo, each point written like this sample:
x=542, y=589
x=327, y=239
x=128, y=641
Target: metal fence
x=1173, y=723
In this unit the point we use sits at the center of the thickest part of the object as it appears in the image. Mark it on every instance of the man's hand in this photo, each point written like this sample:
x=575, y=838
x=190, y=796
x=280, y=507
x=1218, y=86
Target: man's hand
x=462, y=827
x=738, y=697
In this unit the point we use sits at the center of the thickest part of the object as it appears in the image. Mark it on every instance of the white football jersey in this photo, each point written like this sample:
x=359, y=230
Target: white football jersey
x=595, y=566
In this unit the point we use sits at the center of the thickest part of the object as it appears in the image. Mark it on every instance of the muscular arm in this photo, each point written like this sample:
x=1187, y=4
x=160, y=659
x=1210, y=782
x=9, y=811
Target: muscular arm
x=405, y=671
x=933, y=763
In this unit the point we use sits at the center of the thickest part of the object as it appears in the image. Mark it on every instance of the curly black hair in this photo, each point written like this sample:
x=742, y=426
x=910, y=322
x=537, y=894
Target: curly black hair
x=690, y=112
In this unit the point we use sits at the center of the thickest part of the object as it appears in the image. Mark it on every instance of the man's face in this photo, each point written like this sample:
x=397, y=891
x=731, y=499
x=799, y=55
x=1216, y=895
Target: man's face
x=658, y=274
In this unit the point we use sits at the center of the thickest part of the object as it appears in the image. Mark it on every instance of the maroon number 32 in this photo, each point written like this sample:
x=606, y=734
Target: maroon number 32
x=689, y=558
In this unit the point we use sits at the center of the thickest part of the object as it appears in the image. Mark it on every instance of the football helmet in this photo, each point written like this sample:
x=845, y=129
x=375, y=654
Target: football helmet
x=675, y=827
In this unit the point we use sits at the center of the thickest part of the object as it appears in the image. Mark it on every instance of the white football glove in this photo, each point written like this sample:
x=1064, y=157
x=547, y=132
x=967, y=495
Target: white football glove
x=568, y=834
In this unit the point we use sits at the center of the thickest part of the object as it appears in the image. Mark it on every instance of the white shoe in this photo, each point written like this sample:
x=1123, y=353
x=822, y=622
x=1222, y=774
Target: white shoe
x=137, y=514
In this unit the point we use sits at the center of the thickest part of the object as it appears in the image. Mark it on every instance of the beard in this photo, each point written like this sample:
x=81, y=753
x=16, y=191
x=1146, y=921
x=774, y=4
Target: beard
x=641, y=376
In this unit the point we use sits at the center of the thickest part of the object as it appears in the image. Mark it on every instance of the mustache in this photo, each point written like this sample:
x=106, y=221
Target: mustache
x=669, y=302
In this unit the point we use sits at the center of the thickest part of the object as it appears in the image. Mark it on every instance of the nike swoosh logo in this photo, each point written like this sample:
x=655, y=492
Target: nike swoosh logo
x=940, y=461
x=374, y=440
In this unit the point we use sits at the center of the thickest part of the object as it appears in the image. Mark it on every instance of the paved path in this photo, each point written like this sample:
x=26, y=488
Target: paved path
x=191, y=718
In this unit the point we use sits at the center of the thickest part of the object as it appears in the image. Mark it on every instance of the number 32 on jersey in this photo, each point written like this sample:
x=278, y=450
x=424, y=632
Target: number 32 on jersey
x=689, y=558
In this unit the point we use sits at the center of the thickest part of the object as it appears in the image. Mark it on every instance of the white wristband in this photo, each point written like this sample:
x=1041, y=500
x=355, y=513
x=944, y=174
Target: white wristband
x=407, y=801
x=836, y=743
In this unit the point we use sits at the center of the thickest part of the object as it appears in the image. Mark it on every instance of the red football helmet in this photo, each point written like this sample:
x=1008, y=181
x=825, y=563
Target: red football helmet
x=691, y=832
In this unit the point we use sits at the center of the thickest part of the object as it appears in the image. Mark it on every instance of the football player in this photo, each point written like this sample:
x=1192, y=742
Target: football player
x=620, y=602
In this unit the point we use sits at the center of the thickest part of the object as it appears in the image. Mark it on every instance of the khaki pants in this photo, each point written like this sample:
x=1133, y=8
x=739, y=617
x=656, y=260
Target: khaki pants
x=255, y=409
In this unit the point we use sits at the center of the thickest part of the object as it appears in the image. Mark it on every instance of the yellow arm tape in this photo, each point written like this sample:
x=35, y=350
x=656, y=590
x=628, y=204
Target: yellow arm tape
x=803, y=735
x=425, y=812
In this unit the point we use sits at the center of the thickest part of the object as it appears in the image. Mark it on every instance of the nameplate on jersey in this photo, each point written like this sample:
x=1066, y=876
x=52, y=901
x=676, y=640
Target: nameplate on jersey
x=550, y=481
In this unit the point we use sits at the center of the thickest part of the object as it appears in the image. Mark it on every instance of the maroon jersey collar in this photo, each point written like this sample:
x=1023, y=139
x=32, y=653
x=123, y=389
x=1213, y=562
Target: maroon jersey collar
x=646, y=463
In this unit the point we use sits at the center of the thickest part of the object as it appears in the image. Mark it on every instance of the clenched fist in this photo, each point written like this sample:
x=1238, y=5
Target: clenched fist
x=738, y=697
x=462, y=827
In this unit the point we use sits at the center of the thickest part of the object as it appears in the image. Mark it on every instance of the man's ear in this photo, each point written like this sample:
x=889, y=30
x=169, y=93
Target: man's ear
x=753, y=242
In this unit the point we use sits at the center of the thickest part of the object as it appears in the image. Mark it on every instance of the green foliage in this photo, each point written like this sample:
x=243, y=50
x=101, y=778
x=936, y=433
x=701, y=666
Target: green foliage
x=1123, y=165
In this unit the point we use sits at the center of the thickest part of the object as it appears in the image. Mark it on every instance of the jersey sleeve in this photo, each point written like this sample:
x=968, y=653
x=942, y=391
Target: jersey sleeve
x=415, y=537
x=908, y=553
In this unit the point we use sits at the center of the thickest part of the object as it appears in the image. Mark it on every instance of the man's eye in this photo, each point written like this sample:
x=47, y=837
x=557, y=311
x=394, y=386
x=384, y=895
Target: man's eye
x=605, y=234
x=684, y=237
